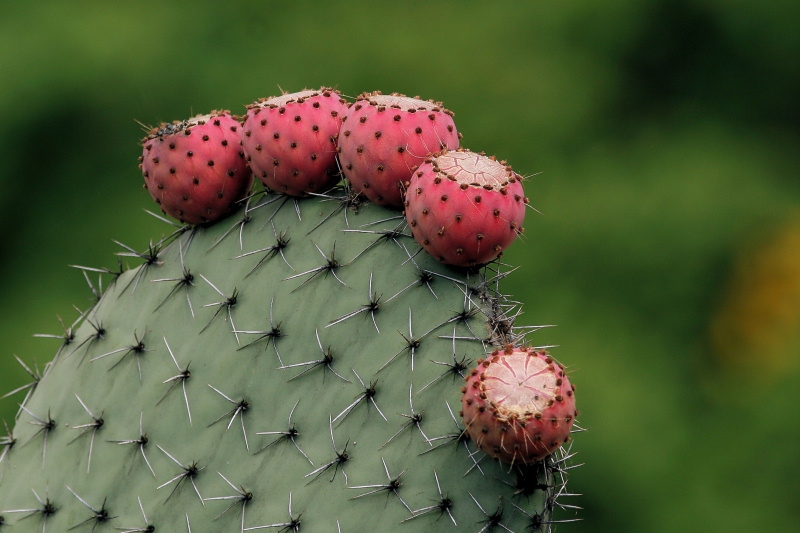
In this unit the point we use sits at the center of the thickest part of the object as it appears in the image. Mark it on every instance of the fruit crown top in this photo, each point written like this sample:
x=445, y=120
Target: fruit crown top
x=298, y=97
x=402, y=102
x=472, y=169
x=171, y=128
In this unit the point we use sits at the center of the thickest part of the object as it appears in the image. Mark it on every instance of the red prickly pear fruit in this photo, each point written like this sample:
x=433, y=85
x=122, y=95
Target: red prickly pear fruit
x=518, y=405
x=195, y=169
x=290, y=140
x=465, y=208
x=385, y=136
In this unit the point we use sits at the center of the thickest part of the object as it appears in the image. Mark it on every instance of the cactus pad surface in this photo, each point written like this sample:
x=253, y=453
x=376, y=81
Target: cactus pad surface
x=295, y=367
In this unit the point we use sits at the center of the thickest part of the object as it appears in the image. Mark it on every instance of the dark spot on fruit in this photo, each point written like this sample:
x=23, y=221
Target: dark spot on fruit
x=258, y=147
x=400, y=149
x=205, y=137
x=444, y=197
x=496, y=212
x=418, y=130
x=224, y=142
x=211, y=162
x=172, y=170
x=363, y=119
x=380, y=168
x=220, y=194
x=155, y=160
x=196, y=181
x=189, y=153
x=263, y=122
x=293, y=145
x=313, y=157
x=377, y=135
x=449, y=127
x=315, y=127
x=297, y=118
x=171, y=146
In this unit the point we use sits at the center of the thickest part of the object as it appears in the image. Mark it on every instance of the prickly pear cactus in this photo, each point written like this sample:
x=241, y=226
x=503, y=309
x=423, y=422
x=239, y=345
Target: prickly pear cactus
x=295, y=367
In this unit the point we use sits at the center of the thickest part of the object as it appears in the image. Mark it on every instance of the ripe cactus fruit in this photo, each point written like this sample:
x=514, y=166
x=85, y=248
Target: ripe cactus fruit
x=385, y=136
x=518, y=405
x=465, y=208
x=195, y=169
x=290, y=140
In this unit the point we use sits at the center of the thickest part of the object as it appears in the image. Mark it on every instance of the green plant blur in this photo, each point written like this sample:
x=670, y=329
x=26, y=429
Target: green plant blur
x=662, y=142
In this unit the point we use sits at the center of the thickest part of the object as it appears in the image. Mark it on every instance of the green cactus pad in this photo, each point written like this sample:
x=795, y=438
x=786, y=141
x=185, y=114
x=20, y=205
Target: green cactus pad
x=301, y=353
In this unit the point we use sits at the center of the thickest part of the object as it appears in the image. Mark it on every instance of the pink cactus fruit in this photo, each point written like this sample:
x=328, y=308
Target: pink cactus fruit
x=465, y=208
x=518, y=405
x=385, y=136
x=290, y=140
x=195, y=169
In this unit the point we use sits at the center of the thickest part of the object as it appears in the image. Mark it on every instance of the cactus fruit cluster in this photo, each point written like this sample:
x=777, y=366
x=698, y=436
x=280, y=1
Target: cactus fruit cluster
x=298, y=366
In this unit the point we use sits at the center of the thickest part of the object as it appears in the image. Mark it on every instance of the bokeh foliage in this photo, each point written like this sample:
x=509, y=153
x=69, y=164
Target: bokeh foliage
x=661, y=141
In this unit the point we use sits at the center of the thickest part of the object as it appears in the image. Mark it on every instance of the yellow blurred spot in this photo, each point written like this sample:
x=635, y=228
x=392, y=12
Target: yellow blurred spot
x=757, y=328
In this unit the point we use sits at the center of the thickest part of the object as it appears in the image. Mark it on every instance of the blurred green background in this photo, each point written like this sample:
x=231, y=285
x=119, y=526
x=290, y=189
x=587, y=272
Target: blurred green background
x=661, y=141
